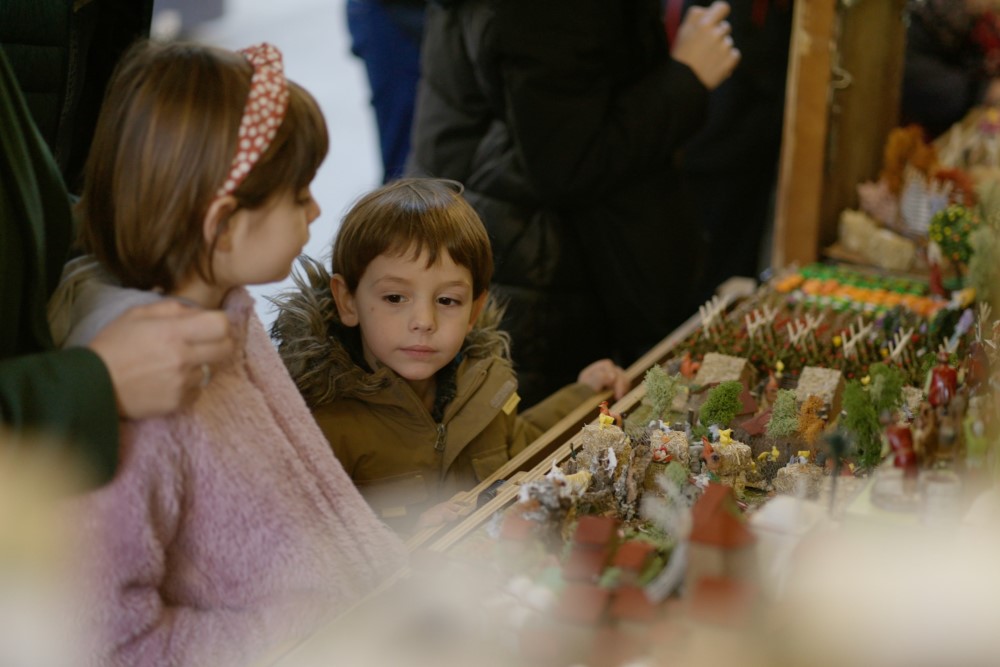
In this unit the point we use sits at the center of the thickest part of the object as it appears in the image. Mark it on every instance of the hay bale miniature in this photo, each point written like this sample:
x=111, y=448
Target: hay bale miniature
x=716, y=368
x=797, y=479
x=736, y=463
x=669, y=445
x=827, y=383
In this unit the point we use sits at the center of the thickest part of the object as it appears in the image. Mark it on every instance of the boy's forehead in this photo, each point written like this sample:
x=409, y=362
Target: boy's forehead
x=396, y=261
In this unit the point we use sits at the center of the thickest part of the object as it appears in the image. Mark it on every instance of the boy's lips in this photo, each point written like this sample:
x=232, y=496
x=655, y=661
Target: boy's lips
x=418, y=351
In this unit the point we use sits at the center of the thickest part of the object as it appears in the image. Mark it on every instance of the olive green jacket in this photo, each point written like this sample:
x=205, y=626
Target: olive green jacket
x=67, y=394
x=401, y=459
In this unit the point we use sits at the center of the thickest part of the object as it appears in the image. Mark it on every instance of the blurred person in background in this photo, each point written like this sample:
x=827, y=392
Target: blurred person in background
x=562, y=119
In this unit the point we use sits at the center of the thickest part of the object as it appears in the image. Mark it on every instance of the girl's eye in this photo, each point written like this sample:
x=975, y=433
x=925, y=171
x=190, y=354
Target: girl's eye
x=393, y=298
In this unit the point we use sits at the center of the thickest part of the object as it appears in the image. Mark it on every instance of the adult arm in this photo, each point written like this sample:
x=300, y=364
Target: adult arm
x=66, y=394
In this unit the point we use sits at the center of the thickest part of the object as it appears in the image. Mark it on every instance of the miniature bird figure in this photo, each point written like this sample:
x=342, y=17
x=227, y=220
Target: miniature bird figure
x=725, y=436
x=607, y=418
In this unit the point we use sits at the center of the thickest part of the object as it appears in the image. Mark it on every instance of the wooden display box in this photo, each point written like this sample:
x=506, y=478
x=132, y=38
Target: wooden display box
x=842, y=99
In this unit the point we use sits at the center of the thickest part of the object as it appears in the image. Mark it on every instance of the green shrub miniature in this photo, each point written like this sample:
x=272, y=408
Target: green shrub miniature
x=784, y=415
x=861, y=421
x=983, y=272
x=661, y=389
x=886, y=388
x=722, y=404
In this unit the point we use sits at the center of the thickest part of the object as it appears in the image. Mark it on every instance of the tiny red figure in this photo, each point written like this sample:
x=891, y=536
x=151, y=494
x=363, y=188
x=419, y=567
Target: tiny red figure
x=901, y=442
x=944, y=382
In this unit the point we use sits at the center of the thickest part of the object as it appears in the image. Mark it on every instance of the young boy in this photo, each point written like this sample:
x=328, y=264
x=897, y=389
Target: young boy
x=399, y=356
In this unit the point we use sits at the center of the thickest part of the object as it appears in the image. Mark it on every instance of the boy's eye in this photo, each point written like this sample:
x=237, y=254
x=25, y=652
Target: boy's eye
x=448, y=301
x=393, y=298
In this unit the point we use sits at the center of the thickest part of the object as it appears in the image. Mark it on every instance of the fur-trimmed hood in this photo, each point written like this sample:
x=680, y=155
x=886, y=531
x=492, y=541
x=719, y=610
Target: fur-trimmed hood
x=312, y=341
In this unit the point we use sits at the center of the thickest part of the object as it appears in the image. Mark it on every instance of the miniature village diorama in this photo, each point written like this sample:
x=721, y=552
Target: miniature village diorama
x=827, y=384
x=832, y=394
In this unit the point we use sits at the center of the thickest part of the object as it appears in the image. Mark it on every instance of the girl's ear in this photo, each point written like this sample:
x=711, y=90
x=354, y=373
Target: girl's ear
x=346, y=306
x=477, y=309
x=216, y=226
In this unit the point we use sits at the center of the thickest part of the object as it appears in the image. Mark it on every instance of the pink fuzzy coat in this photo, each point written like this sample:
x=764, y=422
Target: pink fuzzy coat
x=230, y=528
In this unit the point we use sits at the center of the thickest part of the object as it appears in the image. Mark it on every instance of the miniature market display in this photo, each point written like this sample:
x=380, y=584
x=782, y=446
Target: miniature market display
x=853, y=396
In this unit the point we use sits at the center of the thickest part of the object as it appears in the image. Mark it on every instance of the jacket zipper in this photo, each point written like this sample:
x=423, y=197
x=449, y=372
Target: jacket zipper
x=442, y=433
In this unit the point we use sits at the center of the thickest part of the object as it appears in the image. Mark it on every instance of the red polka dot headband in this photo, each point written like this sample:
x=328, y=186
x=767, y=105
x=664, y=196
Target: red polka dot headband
x=262, y=114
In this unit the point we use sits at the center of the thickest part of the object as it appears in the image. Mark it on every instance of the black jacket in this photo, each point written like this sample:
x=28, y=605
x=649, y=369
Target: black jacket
x=63, y=53
x=562, y=119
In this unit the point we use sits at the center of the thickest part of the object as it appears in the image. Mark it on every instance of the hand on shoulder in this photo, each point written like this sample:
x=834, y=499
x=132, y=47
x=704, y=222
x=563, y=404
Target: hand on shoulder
x=156, y=354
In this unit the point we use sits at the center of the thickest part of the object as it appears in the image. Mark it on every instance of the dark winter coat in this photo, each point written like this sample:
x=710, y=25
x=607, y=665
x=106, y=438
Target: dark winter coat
x=562, y=119
x=63, y=53
x=403, y=461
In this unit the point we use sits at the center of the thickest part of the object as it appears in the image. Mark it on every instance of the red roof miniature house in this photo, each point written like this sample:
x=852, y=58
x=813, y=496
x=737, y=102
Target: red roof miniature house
x=632, y=558
x=593, y=540
x=720, y=544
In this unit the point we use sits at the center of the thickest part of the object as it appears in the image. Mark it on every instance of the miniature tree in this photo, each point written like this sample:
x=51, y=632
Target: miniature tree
x=886, y=390
x=950, y=228
x=861, y=421
x=723, y=403
x=983, y=272
x=661, y=389
x=811, y=422
x=784, y=417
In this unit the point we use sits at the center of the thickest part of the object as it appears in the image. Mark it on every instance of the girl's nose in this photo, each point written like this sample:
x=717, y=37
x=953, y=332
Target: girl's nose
x=313, y=211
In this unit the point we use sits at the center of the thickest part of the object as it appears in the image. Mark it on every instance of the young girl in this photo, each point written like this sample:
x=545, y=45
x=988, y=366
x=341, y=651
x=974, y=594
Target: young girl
x=400, y=358
x=229, y=527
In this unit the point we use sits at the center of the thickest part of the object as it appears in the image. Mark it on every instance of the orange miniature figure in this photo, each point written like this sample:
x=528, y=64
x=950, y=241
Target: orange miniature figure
x=689, y=367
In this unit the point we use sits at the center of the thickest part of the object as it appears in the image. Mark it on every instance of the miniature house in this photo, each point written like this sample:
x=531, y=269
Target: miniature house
x=720, y=544
x=716, y=368
x=827, y=383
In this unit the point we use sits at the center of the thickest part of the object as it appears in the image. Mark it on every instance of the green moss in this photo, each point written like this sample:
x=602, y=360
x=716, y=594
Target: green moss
x=722, y=404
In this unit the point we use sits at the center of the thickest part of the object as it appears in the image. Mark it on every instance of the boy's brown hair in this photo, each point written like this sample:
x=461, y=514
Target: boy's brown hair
x=163, y=146
x=413, y=215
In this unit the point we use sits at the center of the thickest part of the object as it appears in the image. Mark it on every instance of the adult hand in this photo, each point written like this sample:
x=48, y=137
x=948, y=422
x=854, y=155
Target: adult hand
x=605, y=374
x=704, y=44
x=156, y=355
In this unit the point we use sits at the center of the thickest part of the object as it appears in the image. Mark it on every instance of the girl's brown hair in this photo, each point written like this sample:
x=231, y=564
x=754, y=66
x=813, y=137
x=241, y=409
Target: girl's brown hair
x=163, y=146
x=413, y=215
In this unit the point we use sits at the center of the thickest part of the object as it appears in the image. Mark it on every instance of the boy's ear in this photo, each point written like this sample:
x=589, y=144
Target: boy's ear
x=477, y=309
x=217, y=227
x=346, y=306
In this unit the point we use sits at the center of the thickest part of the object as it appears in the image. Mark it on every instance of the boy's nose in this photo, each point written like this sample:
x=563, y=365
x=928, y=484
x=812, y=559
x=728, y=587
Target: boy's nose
x=422, y=318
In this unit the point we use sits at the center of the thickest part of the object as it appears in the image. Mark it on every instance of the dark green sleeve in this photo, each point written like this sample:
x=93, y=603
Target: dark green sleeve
x=66, y=394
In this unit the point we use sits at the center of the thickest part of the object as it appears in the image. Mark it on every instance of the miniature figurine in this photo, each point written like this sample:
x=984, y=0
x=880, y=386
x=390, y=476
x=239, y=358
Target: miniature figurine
x=900, y=439
x=689, y=367
x=943, y=382
x=925, y=433
x=712, y=459
x=607, y=418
